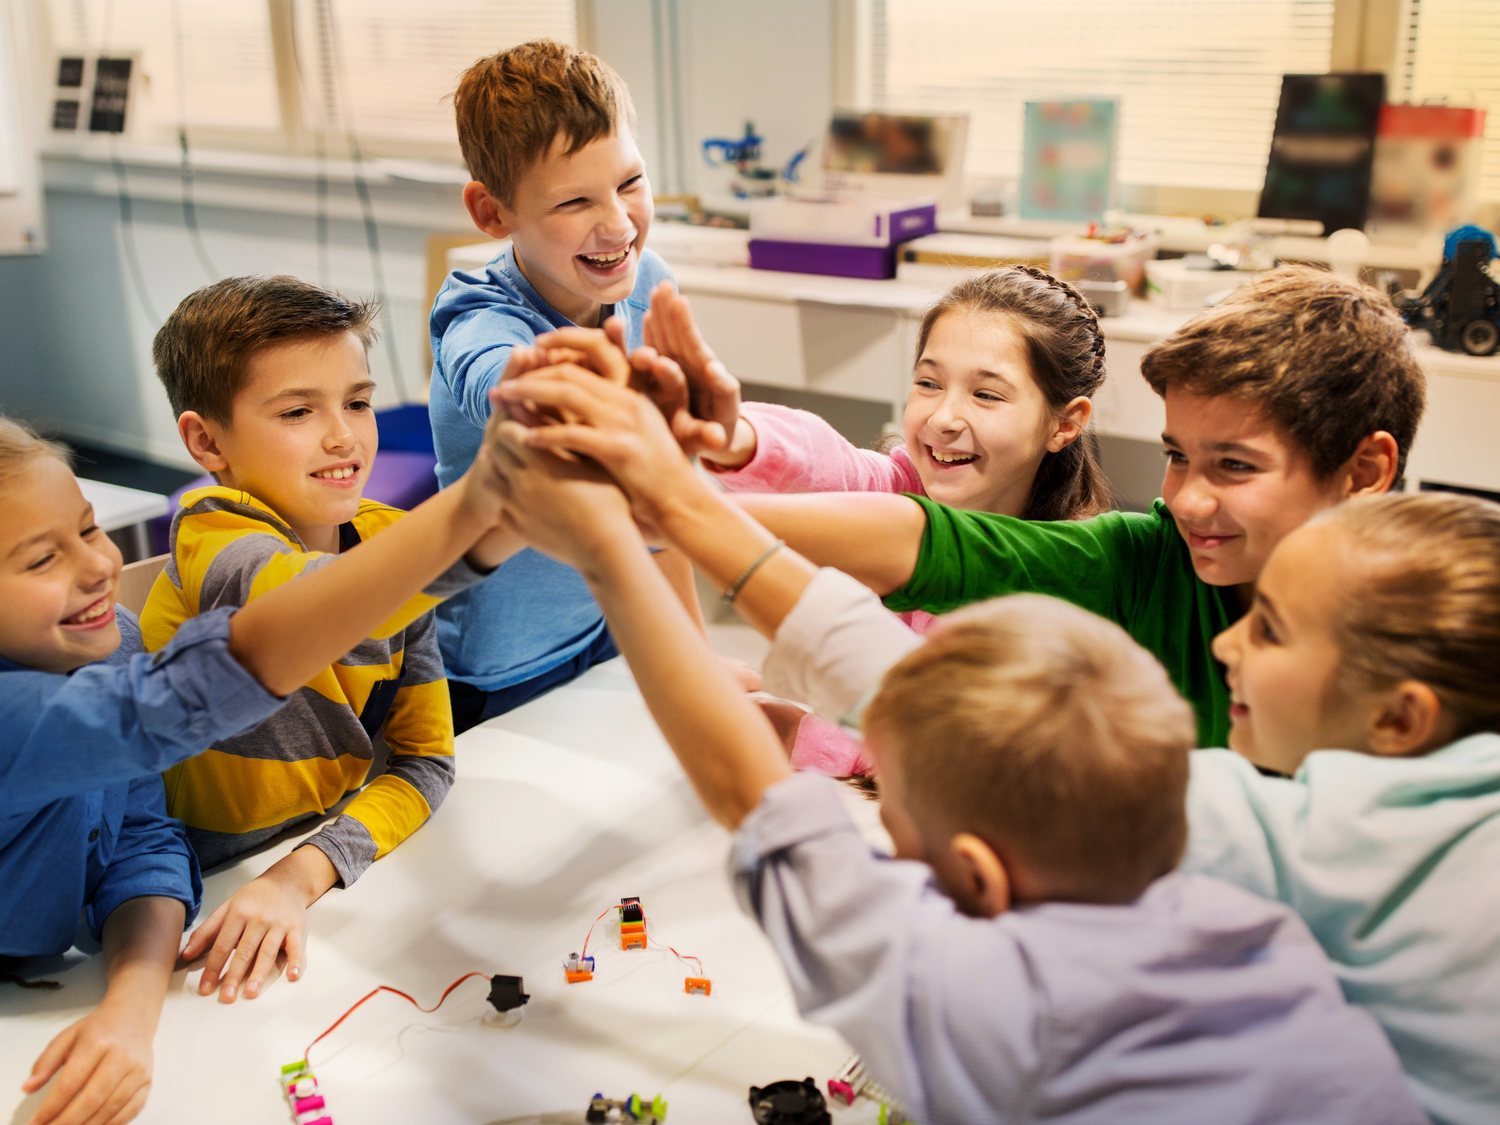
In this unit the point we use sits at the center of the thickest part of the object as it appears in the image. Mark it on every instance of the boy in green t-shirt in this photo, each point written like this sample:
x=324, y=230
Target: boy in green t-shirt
x=1298, y=392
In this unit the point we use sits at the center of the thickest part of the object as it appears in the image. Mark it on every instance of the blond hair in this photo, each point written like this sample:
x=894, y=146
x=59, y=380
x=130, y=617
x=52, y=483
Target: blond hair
x=1330, y=361
x=20, y=445
x=1050, y=734
x=1419, y=599
x=512, y=106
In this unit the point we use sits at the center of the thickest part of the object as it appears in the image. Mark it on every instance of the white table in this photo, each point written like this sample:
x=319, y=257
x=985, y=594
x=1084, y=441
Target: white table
x=561, y=808
x=117, y=508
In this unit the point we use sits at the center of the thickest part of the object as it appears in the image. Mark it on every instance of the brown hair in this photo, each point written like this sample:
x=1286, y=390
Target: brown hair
x=202, y=350
x=1066, y=351
x=1328, y=360
x=512, y=106
x=20, y=445
x=1050, y=734
x=1420, y=599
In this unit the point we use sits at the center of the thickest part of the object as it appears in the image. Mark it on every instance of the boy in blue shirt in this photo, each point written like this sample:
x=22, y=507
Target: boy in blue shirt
x=548, y=134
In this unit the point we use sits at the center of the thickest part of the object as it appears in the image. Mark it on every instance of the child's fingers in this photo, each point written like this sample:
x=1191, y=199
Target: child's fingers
x=132, y=1109
x=231, y=934
x=696, y=435
x=582, y=441
x=604, y=357
x=52, y=1057
x=296, y=952
x=565, y=396
x=244, y=955
x=110, y=1086
x=265, y=963
x=614, y=331
x=71, y=1091
x=200, y=939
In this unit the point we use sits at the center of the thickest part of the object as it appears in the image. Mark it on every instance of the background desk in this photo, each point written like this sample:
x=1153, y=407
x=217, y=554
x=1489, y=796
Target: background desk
x=561, y=808
x=856, y=339
x=117, y=508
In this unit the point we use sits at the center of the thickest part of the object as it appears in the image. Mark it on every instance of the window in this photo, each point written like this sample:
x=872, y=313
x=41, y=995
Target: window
x=387, y=67
x=206, y=66
x=1452, y=53
x=1198, y=80
x=303, y=74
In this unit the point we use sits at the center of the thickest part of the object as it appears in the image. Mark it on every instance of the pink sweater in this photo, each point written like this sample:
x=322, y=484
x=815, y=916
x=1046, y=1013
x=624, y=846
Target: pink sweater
x=799, y=452
x=796, y=451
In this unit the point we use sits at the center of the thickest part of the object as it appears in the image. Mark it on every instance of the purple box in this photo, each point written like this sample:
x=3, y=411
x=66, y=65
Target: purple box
x=877, y=262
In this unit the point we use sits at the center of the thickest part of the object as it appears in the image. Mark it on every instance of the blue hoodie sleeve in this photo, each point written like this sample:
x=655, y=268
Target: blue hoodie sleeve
x=108, y=724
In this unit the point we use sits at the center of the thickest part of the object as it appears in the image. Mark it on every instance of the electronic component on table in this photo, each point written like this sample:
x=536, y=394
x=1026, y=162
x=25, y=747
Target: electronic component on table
x=789, y=1102
x=606, y=1111
x=578, y=969
x=632, y=924
x=300, y=1086
x=853, y=1081
x=700, y=985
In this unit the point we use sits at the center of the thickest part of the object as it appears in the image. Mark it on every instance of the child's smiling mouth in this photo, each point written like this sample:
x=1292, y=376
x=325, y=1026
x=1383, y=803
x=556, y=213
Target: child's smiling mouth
x=95, y=614
x=949, y=459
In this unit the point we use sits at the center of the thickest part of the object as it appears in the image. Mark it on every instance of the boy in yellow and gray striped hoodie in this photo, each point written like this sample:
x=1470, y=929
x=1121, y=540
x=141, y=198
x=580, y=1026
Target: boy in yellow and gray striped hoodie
x=270, y=382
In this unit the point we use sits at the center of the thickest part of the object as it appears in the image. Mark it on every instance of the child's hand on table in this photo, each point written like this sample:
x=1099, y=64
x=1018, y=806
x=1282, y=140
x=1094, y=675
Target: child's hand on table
x=262, y=928
x=100, y=1067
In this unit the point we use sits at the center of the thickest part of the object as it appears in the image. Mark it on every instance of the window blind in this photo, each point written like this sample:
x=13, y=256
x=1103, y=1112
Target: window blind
x=1198, y=80
x=1452, y=53
x=208, y=66
x=387, y=67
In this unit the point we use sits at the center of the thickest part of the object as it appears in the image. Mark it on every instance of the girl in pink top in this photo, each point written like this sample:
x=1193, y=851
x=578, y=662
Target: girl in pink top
x=995, y=420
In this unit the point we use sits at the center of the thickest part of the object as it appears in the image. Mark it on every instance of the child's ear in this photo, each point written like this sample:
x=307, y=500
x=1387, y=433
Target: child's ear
x=1372, y=469
x=1071, y=423
x=980, y=884
x=1410, y=721
x=201, y=437
x=484, y=210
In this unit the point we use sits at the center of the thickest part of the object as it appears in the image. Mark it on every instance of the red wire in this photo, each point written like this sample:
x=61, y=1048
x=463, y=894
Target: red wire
x=387, y=988
x=592, y=924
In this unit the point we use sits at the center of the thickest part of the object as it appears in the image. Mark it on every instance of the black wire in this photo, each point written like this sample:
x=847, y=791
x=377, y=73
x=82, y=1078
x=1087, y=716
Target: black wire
x=320, y=151
x=362, y=189
x=189, y=207
x=122, y=191
x=127, y=236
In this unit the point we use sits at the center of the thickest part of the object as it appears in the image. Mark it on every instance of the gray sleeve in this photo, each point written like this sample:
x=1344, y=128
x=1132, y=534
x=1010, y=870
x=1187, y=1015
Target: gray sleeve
x=834, y=646
x=456, y=579
x=937, y=1004
x=348, y=845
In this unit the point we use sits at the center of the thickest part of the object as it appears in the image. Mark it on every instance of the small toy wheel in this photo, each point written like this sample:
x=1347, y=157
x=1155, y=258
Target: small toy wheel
x=1480, y=337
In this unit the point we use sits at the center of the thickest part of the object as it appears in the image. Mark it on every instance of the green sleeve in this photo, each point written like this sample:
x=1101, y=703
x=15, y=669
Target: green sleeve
x=968, y=556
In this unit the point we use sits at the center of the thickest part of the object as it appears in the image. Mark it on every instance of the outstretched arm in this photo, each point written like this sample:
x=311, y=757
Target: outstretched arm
x=574, y=513
x=874, y=537
x=349, y=598
x=625, y=433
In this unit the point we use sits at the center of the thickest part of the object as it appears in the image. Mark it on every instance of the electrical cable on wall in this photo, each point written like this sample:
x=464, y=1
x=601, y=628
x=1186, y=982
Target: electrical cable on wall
x=122, y=193
x=189, y=207
x=362, y=190
x=320, y=153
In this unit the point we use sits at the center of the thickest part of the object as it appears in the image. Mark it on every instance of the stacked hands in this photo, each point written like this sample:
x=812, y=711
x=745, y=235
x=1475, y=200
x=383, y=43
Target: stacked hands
x=594, y=445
